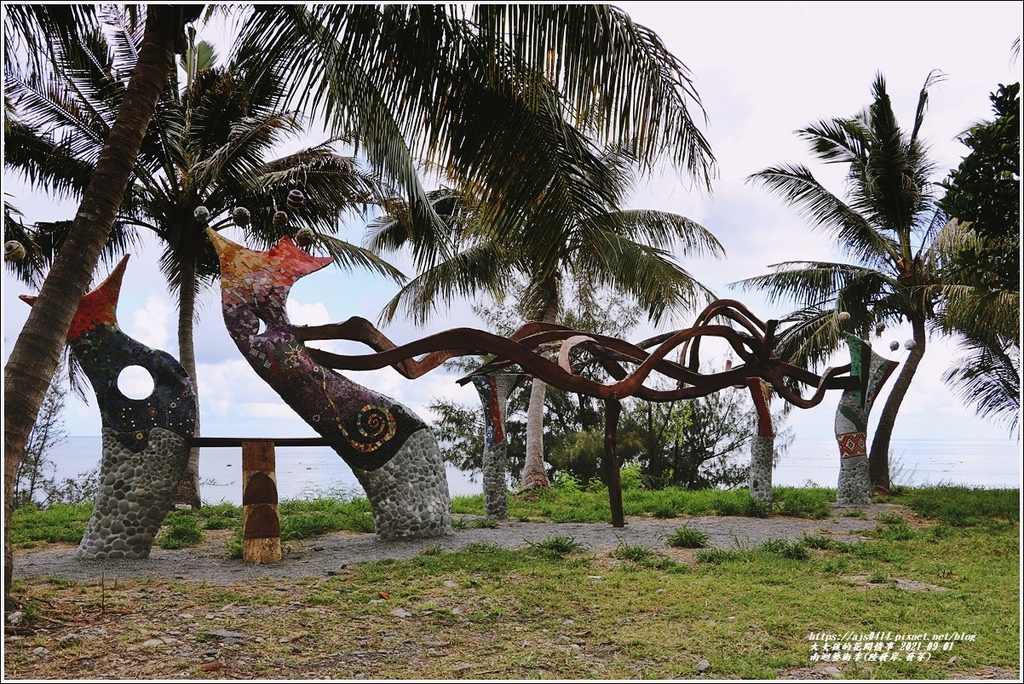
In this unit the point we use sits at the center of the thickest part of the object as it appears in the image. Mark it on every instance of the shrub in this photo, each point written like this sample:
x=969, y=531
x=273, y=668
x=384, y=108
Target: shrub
x=755, y=508
x=566, y=482
x=637, y=554
x=630, y=477
x=816, y=541
x=715, y=556
x=689, y=538
x=556, y=547
x=786, y=549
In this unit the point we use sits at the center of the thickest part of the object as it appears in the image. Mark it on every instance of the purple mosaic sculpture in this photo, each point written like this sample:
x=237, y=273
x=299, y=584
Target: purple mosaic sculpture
x=390, y=450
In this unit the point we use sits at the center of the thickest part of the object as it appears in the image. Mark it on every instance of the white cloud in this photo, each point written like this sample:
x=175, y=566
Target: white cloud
x=307, y=314
x=152, y=325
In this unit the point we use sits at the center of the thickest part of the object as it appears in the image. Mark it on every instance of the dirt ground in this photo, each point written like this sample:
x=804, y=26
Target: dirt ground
x=321, y=556
x=171, y=632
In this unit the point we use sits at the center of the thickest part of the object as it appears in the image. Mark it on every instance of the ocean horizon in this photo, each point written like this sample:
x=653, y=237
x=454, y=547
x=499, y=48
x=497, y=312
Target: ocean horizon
x=312, y=472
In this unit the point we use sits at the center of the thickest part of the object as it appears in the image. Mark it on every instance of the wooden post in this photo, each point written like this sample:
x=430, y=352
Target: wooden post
x=261, y=519
x=611, y=461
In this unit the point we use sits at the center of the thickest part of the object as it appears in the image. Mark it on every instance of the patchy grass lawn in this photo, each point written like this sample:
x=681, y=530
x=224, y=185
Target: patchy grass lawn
x=807, y=609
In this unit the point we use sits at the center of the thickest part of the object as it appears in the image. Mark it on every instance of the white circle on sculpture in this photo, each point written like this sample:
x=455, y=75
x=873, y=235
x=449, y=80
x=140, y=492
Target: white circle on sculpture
x=135, y=382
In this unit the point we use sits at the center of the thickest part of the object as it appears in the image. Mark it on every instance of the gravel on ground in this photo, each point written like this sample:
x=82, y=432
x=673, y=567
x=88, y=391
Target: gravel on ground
x=325, y=555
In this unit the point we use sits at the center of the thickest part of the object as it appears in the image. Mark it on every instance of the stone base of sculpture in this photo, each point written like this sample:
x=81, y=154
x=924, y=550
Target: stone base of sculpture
x=409, y=493
x=762, y=454
x=135, y=493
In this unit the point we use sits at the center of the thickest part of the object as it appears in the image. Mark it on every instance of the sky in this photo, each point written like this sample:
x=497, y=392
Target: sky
x=762, y=70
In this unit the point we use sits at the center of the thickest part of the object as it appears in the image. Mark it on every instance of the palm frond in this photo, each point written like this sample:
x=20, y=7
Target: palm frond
x=988, y=377
x=662, y=229
x=837, y=141
x=808, y=337
x=615, y=74
x=45, y=163
x=798, y=187
x=29, y=30
x=485, y=266
x=650, y=276
x=352, y=257
x=964, y=305
x=810, y=283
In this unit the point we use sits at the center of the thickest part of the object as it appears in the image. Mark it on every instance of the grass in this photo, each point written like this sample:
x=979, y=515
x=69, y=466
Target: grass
x=555, y=610
x=58, y=523
x=689, y=538
x=574, y=504
x=184, y=528
x=181, y=529
x=961, y=506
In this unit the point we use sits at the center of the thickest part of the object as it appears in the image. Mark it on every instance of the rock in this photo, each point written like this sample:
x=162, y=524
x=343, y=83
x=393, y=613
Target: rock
x=152, y=643
x=68, y=640
x=704, y=665
x=227, y=634
x=401, y=612
x=15, y=618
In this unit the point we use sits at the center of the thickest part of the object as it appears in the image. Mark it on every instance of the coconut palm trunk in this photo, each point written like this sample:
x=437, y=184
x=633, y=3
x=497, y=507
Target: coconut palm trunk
x=188, y=488
x=534, y=472
x=878, y=458
x=36, y=352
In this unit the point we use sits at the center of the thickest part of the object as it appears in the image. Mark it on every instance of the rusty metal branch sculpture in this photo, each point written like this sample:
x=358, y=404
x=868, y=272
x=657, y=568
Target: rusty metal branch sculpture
x=526, y=348
x=531, y=347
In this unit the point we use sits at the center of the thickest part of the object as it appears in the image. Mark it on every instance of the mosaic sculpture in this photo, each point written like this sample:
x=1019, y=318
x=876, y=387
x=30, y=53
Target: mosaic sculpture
x=145, y=441
x=854, y=488
x=390, y=450
x=494, y=391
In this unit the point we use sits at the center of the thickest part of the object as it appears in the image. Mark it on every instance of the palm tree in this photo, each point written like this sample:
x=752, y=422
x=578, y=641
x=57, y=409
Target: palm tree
x=36, y=352
x=206, y=148
x=455, y=79
x=886, y=227
x=980, y=250
x=588, y=240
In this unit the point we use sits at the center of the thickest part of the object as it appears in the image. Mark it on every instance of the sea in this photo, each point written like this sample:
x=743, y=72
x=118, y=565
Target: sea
x=314, y=472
